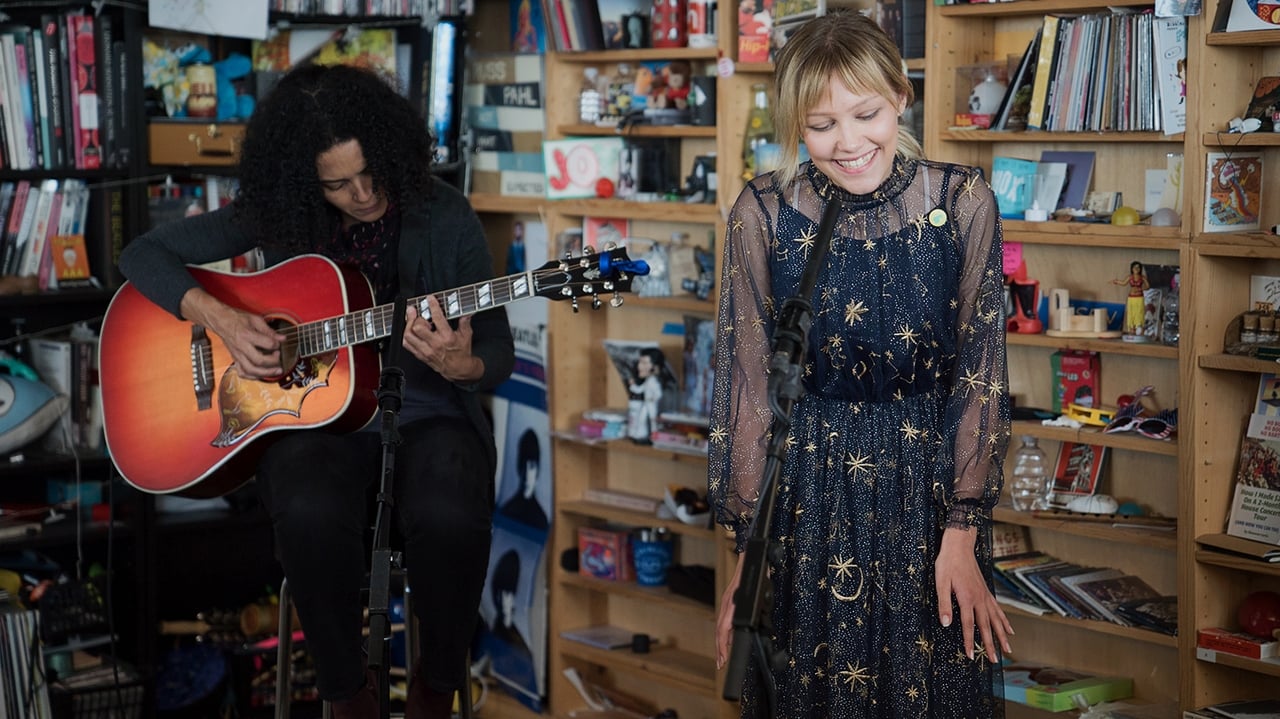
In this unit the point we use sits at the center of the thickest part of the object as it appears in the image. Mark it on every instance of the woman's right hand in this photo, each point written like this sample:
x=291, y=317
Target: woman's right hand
x=724, y=622
x=253, y=344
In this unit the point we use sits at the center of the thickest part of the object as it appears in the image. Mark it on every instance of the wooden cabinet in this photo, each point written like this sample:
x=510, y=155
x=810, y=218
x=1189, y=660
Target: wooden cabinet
x=1192, y=477
x=1222, y=388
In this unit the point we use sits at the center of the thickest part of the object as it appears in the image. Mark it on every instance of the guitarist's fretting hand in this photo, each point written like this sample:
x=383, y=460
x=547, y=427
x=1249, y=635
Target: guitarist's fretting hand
x=442, y=348
x=253, y=344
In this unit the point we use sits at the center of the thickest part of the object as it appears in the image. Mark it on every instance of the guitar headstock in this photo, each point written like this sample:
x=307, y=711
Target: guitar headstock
x=590, y=274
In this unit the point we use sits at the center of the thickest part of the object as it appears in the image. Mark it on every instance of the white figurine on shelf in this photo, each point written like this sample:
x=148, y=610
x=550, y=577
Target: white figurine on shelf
x=645, y=394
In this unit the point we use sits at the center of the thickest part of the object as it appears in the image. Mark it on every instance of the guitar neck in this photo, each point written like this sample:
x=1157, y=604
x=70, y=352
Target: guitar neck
x=374, y=323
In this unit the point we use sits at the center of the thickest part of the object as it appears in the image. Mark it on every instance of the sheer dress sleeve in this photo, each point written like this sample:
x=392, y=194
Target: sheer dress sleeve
x=740, y=414
x=979, y=404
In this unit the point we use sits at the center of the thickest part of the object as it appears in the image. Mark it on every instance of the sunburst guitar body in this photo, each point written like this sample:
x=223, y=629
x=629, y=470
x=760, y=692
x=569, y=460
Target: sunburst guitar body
x=180, y=418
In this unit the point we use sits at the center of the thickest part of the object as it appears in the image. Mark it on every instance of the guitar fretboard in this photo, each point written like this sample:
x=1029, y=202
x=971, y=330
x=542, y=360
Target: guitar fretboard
x=375, y=323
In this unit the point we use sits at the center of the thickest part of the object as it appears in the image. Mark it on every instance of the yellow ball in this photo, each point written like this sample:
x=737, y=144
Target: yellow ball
x=1124, y=216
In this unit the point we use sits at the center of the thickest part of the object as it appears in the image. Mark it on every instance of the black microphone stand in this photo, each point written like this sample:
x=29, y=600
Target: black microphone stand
x=385, y=560
x=753, y=600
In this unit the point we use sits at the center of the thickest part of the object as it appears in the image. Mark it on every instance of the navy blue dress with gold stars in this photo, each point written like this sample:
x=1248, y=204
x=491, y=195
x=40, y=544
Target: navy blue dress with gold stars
x=901, y=432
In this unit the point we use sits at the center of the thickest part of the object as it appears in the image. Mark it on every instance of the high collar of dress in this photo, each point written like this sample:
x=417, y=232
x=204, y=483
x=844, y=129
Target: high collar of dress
x=899, y=178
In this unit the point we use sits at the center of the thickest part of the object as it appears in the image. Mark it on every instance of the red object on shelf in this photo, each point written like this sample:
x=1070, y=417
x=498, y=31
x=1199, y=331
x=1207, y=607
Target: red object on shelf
x=1259, y=614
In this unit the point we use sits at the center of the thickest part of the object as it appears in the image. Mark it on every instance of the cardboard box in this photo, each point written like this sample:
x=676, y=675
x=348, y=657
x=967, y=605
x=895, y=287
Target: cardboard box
x=605, y=554
x=1078, y=379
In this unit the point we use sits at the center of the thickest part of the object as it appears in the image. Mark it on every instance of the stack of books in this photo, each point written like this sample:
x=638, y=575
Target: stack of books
x=1041, y=583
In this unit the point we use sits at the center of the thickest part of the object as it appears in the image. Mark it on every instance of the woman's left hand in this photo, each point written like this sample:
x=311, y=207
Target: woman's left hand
x=957, y=574
x=441, y=347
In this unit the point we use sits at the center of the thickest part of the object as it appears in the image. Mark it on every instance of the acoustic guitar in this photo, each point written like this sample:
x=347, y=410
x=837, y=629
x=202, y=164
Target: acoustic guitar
x=178, y=416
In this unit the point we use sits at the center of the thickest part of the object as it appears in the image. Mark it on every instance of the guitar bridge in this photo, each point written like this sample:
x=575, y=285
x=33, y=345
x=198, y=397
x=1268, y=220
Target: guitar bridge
x=201, y=367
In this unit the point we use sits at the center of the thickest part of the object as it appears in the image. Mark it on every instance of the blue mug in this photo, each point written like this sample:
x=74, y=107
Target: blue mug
x=651, y=552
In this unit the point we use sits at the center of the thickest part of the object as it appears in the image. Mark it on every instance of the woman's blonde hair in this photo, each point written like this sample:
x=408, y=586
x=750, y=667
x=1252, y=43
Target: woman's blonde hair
x=847, y=45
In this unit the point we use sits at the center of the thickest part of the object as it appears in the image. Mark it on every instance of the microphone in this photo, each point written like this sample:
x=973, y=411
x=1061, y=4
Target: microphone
x=796, y=315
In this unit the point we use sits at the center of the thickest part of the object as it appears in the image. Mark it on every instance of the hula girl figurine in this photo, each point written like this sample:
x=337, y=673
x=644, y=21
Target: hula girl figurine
x=1135, y=303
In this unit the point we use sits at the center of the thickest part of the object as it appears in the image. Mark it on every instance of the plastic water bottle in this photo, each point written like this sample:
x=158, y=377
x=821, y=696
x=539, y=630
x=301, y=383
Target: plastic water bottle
x=1032, y=482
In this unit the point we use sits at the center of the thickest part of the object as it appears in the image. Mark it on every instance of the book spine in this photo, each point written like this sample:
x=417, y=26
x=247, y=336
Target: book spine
x=56, y=89
x=108, y=99
x=1044, y=68
x=12, y=249
x=26, y=64
x=39, y=232
x=73, y=89
x=15, y=129
x=48, y=278
x=105, y=233
x=88, y=142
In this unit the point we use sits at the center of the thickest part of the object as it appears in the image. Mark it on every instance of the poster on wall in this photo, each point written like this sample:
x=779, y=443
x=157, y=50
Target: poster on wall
x=513, y=609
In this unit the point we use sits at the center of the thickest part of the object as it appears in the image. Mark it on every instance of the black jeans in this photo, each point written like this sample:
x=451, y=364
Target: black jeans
x=315, y=486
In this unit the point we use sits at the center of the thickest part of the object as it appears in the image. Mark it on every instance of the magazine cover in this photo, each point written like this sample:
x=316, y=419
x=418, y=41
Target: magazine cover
x=1255, y=507
x=528, y=30
x=1233, y=191
x=650, y=383
x=1077, y=471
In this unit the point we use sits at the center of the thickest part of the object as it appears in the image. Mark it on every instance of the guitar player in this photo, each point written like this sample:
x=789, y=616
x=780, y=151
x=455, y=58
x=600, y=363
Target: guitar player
x=335, y=162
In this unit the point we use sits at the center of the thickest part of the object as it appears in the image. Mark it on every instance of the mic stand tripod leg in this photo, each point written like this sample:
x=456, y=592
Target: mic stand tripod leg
x=384, y=560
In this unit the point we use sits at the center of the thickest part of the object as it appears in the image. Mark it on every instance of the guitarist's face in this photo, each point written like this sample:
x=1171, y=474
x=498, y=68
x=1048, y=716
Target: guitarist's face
x=347, y=185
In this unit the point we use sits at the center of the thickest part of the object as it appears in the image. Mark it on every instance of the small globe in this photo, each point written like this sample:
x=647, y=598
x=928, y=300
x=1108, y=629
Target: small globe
x=1259, y=613
x=1124, y=216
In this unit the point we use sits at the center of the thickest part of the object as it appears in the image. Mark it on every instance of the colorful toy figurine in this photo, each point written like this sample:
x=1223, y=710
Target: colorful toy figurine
x=1135, y=303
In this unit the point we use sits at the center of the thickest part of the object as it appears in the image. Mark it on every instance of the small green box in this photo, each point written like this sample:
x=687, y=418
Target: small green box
x=1095, y=690
x=1052, y=688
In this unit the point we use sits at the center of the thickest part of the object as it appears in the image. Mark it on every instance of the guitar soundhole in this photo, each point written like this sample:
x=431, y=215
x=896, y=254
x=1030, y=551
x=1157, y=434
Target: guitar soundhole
x=289, y=359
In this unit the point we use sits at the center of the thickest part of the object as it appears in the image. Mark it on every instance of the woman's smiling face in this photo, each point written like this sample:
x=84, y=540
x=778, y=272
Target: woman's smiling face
x=852, y=138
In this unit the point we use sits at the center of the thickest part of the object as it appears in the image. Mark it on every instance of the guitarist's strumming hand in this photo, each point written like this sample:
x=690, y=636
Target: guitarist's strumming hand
x=253, y=344
x=443, y=348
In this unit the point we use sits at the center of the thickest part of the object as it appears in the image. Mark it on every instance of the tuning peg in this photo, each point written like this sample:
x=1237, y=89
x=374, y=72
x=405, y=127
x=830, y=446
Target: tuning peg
x=574, y=303
x=616, y=301
x=595, y=300
x=610, y=246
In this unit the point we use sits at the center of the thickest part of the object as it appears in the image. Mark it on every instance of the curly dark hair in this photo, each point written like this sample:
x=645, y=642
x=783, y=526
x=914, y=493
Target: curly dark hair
x=312, y=109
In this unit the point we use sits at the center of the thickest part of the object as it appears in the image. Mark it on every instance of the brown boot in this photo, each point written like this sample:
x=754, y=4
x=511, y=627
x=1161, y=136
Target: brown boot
x=423, y=702
x=361, y=705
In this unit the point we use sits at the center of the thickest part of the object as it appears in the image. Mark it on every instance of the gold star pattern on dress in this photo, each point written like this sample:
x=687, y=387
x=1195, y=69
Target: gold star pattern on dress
x=907, y=335
x=718, y=435
x=869, y=244
x=969, y=187
x=806, y=239
x=973, y=380
x=842, y=567
x=909, y=431
x=854, y=676
x=919, y=222
x=854, y=465
x=854, y=311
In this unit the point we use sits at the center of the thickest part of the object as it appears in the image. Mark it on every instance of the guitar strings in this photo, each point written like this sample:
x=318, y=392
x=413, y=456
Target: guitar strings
x=319, y=336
